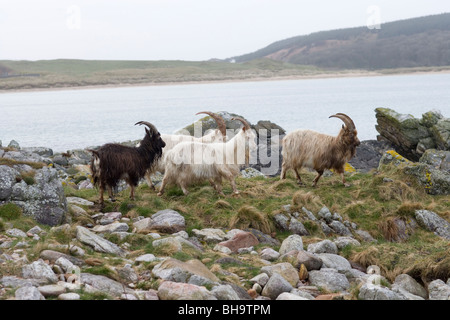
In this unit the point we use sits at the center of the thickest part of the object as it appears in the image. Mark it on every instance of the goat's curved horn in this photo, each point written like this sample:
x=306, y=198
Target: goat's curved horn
x=246, y=125
x=149, y=125
x=219, y=120
x=346, y=119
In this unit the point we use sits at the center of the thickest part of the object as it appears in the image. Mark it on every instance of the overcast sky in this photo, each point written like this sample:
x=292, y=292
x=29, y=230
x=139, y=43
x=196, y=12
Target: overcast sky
x=180, y=29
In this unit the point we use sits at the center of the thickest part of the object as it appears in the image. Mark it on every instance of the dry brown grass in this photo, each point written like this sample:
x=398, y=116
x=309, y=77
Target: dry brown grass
x=250, y=217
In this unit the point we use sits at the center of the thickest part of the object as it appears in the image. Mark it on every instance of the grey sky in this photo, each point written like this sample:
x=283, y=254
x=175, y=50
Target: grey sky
x=180, y=29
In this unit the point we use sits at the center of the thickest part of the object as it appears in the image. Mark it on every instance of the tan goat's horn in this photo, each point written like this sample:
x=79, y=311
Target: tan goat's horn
x=346, y=119
x=246, y=125
x=219, y=120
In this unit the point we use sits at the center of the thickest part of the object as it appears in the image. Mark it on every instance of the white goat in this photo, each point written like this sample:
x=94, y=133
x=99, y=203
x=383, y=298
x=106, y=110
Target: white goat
x=318, y=151
x=193, y=162
x=171, y=140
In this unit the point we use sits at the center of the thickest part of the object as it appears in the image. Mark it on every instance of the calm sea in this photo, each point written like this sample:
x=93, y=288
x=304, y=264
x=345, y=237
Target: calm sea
x=71, y=119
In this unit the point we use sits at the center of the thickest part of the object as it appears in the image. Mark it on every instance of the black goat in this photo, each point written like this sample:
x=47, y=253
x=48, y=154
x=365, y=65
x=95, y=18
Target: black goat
x=112, y=162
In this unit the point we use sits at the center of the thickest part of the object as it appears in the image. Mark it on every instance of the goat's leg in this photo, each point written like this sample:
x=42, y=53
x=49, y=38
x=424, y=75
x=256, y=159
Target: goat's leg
x=319, y=174
x=102, y=190
x=149, y=180
x=183, y=187
x=218, y=186
x=297, y=175
x=132, y=191
x=284, y=169
x=110, y=193
x=343, y=180
x=163, y=185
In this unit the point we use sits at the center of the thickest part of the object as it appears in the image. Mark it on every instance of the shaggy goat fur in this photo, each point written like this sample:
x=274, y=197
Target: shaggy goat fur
x=318, y=151
x=217, y=135
x=192, y=162
x=113, y=162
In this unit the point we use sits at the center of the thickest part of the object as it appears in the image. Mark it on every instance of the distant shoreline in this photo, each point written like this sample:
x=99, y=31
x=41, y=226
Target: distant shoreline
x=343, y=74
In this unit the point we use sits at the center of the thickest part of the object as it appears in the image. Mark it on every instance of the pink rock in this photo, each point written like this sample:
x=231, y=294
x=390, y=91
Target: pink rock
x=240, y=240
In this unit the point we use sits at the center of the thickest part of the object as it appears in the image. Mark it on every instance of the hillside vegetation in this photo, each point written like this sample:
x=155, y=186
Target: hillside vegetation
x=418, y=42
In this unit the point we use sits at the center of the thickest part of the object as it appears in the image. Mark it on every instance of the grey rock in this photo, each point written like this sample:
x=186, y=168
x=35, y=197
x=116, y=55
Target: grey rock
x=172, y=243
x=14, y=144
x=7, y=181
x=439, y=290
x=325, y=228
x=269, y=254
x=325, y=214
x=285, y=269
x=98, y=243
x=324, y=246
x=39, y=270
x=282, y=221
x=339, y=228
x=51, y=290
x=225, y=292
x=434, y=181
x=69, y=296
x=297, y=227
x=406, y=282
x=310, y=260
x=179, y=271
x=15, y=282
x=438, y=159
x=16, y=233
x=260, y=279
x=293, y=242
x=210, y=235
x=28, y=293
x=168, y=221
x=342, y=242
x=376, y=292
x=365, y=236
x=44, y=200
x=104, y=284
x=302, y=293
x=433, y=222
x=79, y=201
x=334, y=261
x=330, y=281
x=309, y=214
x=275, y=286
x=112, y=227
x=128, y=274
x=53, y=256
x=290, y=296
x=146, y=258
x=169, y=290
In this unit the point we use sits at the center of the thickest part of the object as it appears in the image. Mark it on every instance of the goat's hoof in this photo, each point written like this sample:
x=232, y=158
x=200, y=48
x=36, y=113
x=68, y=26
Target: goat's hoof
x=347, y=185
x=112, y=200
x=159, y=194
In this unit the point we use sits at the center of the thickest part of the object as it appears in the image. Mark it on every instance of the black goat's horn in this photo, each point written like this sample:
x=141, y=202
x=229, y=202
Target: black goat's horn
x=149, y=125
x=219, y=120
x=346, y=119
x=246, y=125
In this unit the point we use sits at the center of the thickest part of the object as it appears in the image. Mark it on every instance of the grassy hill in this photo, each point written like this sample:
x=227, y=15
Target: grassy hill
x=75, y=73
x=417, y=42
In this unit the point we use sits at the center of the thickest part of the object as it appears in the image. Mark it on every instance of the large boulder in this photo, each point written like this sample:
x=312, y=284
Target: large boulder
x=40, y=196
x=410, y=136
x=433, y=222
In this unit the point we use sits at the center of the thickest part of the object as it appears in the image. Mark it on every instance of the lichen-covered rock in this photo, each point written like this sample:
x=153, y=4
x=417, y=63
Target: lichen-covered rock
x=43, y=198
x=439, y=159
x=433, y=222
x=435, y=182
x=403, y=130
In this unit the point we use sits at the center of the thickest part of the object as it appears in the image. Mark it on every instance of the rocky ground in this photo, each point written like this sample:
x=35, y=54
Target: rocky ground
x=68, y=249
